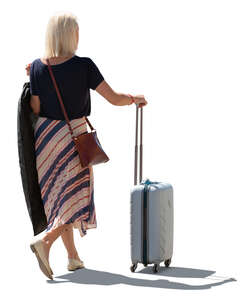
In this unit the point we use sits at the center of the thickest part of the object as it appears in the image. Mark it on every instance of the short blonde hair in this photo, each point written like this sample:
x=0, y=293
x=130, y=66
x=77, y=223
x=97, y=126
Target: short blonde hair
x=60, y=39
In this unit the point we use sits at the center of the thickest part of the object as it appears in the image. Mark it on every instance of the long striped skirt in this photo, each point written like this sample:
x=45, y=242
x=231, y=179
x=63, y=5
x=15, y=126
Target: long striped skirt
x=66, y=188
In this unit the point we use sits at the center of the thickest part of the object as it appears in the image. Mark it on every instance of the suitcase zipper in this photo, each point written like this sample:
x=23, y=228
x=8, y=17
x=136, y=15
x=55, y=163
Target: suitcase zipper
x=145, y=224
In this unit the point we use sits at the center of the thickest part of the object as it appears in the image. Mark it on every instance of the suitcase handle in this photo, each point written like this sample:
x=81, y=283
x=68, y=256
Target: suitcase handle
x=136, y=146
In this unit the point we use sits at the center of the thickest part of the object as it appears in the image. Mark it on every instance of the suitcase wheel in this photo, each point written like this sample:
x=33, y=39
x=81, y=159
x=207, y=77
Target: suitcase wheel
x=156, y=268
x=167, y=262
x=133, y=267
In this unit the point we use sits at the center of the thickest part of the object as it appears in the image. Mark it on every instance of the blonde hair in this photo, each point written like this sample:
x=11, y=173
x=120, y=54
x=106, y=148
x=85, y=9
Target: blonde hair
x=60, y=38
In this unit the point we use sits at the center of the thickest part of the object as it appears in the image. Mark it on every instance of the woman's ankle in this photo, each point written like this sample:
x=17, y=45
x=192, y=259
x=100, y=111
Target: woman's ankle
x=73, y=255
x=47, y=241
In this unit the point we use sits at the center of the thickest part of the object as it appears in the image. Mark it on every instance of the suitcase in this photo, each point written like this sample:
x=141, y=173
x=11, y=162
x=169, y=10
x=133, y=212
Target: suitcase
x=151, y=215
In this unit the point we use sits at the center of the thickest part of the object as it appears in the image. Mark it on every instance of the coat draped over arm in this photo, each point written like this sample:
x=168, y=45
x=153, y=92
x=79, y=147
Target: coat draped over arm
x=26, y=120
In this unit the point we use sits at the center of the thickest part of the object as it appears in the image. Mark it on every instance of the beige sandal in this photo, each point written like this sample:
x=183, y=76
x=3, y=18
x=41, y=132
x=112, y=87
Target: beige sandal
x=74, y=264
x=38, y=249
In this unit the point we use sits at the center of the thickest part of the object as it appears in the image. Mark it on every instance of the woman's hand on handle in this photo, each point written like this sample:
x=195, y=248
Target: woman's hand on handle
x=139, y=99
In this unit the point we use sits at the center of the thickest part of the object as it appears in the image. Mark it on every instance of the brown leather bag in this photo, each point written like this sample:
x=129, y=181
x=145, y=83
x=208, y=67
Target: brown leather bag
x=87, y=143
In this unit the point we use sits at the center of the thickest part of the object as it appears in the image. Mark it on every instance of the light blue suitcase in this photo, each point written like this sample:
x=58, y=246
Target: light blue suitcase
x=151, y=216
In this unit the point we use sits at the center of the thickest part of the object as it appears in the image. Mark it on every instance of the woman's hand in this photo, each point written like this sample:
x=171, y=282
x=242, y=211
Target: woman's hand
x=139, y=99
x=27, y=68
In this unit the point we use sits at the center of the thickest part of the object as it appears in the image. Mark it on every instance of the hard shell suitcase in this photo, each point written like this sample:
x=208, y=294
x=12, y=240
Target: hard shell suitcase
x=152, y=216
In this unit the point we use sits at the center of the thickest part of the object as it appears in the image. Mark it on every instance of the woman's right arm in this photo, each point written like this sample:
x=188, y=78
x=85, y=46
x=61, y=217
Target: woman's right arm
x=118, y=98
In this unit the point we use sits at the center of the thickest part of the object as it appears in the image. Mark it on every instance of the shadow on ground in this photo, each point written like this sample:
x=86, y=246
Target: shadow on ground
x=89, y=276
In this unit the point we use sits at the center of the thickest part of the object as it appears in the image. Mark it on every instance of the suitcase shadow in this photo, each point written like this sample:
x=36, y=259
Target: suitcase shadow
x=178, y=272
x=89, y=276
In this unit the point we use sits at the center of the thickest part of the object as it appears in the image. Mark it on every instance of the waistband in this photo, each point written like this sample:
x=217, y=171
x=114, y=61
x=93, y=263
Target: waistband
x=70, y=120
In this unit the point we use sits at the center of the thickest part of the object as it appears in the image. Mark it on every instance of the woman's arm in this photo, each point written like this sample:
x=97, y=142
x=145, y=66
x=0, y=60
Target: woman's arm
x=110, y=95
x=35, y=104
x=118, y=98
x=34, y=99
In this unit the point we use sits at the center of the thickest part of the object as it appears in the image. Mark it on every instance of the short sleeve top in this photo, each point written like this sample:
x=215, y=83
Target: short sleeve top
x=75, y=77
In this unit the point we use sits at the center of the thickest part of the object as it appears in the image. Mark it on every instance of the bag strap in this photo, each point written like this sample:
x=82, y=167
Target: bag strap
x=61, y=102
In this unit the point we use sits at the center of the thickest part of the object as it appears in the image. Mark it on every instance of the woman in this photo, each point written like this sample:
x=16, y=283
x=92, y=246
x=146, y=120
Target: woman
x=66, y=188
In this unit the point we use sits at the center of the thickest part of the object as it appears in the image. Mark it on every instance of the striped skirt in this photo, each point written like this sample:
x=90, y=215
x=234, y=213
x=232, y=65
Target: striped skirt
x=66, y=188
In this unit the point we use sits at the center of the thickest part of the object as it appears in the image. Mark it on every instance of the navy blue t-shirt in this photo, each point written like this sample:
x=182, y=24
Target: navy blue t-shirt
x=74, y=79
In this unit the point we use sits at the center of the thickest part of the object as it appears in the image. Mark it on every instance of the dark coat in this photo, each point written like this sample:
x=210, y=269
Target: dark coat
x=26, y=120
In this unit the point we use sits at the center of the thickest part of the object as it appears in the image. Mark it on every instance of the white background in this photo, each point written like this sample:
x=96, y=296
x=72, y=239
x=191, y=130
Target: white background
x=186, y=58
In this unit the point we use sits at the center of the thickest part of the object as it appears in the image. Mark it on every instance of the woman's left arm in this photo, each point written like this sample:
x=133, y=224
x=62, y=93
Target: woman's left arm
x=35, y=104
x=34, y=100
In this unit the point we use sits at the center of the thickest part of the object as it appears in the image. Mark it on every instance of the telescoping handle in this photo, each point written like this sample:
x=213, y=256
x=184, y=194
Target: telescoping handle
x=140, y=148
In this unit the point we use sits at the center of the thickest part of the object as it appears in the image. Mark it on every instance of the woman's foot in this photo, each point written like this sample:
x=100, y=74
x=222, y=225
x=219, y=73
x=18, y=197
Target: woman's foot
x=74, y=264
x=38, y=247
x=46, y=246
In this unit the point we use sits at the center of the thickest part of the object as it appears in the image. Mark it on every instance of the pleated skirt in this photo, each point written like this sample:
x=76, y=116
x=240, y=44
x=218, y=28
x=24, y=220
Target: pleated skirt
x=67, y=189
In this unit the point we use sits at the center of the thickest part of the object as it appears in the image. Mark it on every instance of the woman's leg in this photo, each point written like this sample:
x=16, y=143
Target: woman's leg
x=68, y=241
x=50, y=237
